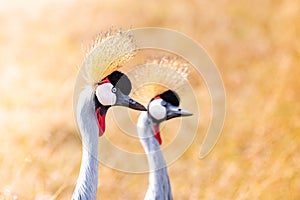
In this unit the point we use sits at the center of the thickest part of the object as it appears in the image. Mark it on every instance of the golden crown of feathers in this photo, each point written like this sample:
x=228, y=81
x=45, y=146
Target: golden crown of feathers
x=108, y=52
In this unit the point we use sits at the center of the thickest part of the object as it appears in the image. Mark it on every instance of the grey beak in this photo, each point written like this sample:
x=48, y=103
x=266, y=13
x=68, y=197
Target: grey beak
x=174, y=111
x=126, y=101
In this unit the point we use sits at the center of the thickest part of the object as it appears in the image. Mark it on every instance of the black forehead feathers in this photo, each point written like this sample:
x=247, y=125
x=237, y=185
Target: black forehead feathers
x=170, y=97
x=120, y=81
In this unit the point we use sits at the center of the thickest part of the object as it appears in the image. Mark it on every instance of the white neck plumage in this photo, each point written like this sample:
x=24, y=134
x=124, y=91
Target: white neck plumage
x=87, y=182
x=159, y=185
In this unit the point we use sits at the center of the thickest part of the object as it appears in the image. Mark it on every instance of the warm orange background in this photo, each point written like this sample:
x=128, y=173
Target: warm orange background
x=255, y=44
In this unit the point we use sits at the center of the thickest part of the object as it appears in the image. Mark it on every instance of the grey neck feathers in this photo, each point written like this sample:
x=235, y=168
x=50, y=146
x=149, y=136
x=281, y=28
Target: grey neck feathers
x=87, y=182
x=159, y=185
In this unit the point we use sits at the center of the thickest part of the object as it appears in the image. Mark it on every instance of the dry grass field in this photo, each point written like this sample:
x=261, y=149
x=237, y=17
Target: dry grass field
x=255, y=44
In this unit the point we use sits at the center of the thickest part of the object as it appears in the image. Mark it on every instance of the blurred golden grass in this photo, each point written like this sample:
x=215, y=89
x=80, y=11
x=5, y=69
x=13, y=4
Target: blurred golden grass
x=255, y=45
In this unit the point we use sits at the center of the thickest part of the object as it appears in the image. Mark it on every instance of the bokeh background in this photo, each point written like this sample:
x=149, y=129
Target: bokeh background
x=255, y=44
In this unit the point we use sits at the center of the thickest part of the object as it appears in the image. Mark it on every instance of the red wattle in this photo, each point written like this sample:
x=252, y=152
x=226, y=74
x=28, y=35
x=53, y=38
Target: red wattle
x=157, y=133
x=101, y=121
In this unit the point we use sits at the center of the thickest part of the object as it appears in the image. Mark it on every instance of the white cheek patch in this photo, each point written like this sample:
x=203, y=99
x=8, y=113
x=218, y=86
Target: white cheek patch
x=156, y=110
x=104, y=94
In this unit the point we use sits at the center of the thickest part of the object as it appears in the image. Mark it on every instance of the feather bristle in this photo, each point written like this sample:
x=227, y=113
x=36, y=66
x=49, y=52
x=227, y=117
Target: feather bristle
x=109, y=51
x=157, y=75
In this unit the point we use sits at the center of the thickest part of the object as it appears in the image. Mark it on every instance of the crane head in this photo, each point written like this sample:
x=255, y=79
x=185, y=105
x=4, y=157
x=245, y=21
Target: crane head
x=113, y=90
x=163, y=107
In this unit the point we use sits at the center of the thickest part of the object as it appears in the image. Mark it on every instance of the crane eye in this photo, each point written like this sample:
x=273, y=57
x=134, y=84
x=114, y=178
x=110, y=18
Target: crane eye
x=163, y=103
x=114, y=90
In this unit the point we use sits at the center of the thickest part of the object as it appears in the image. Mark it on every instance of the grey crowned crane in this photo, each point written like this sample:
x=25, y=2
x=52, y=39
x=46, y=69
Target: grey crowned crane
x=162, y=107
x=99, y=93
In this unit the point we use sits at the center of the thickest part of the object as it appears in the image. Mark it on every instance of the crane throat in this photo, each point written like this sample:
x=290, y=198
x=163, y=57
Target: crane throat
x=157, y=133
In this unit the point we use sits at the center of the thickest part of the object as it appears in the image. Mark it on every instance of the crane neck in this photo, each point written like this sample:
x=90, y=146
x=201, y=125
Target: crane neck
x=159, y=183
x=87, y=182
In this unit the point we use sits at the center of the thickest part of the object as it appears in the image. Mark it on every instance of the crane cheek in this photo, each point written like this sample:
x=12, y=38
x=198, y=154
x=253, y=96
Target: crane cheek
x=105, y=95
